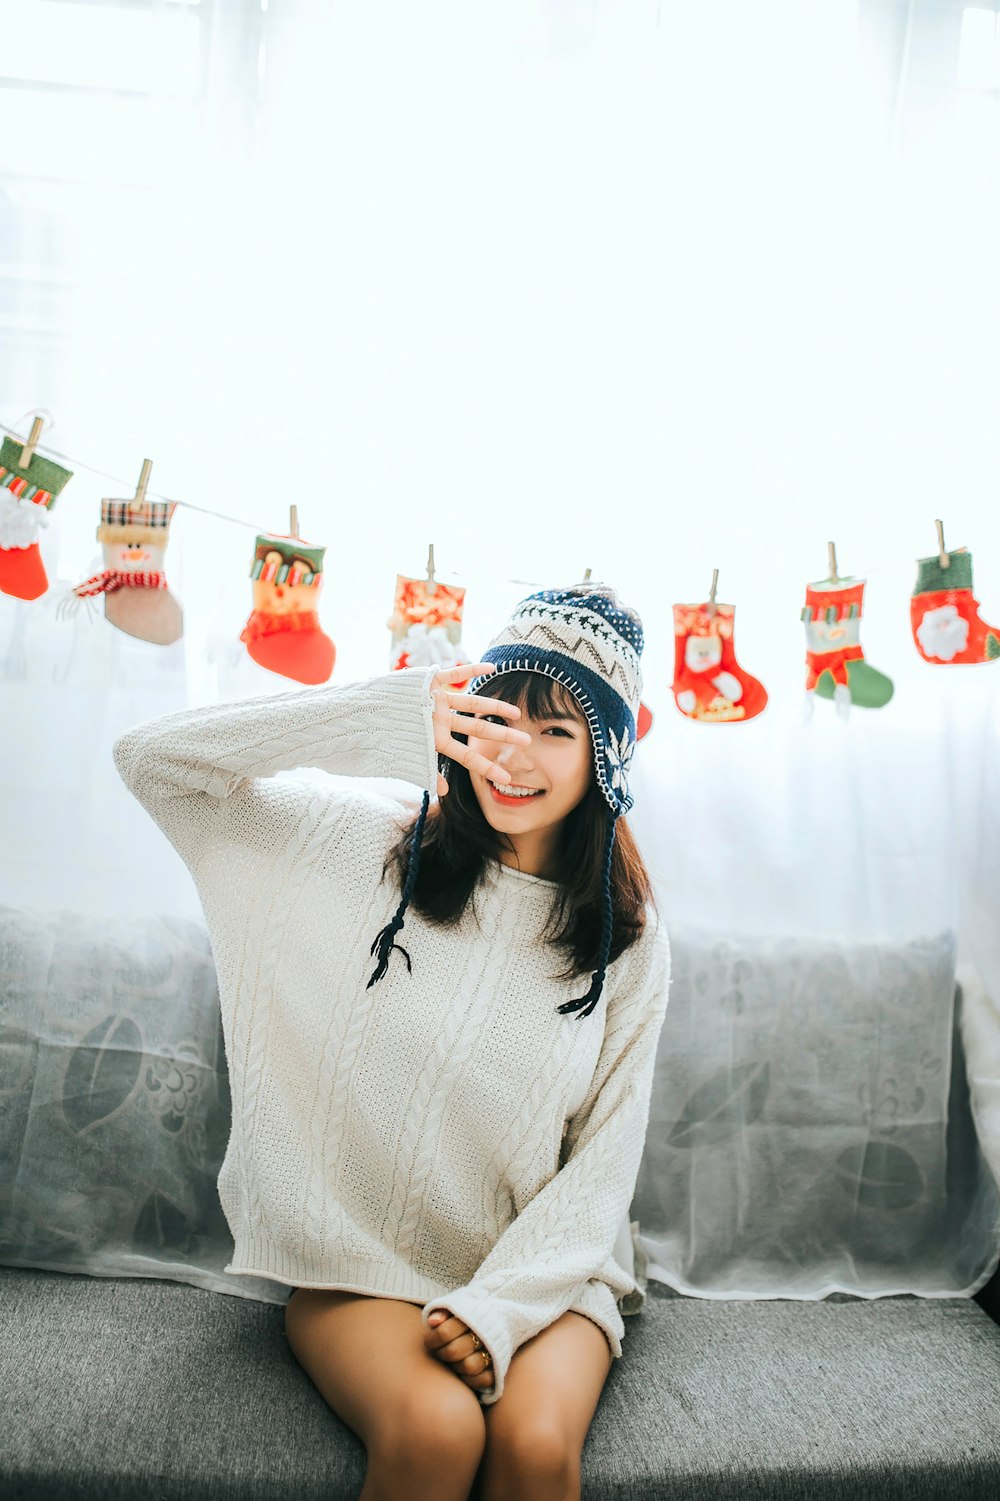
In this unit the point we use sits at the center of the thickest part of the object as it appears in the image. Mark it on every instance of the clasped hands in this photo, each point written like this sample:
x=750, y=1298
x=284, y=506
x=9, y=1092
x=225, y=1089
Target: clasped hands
x=454, y=1344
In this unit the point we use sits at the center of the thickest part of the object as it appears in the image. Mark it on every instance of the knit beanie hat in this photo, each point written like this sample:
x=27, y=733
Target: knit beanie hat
x=583, y=638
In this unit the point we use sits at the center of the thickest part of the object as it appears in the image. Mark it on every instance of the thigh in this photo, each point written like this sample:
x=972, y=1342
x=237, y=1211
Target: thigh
x=553, y=1385
x=366, y=1356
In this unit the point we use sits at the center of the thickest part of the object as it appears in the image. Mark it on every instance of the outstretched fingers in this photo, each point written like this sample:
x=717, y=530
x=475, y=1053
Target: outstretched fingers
x=452, y=707
x=474, y=760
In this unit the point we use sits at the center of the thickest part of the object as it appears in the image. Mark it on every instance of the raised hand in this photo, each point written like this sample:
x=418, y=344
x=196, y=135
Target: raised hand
x=448, y=720
x=455, y=1345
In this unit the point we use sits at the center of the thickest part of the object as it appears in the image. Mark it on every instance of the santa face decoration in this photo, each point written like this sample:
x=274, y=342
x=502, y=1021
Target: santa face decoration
x=710, y=685
x=943, y=634
x=948, y=629
x=702, y=653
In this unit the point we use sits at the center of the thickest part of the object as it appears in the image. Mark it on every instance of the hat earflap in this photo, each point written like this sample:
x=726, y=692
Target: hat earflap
x=586, y=1003
x=385, y=942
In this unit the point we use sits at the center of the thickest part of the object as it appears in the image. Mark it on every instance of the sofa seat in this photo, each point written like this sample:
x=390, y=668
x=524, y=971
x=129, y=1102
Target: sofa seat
x=113, y=1389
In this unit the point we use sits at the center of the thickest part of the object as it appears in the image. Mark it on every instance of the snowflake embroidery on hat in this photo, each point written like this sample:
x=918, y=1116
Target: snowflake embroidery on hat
x=620, y=755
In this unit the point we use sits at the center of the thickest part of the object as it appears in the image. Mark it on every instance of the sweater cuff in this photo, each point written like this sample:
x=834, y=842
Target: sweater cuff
x=483, y=1319
x=411, y=734
x=598, y=1303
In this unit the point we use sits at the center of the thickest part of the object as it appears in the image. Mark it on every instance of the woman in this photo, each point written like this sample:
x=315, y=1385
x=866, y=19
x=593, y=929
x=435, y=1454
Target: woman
x=438, y=1155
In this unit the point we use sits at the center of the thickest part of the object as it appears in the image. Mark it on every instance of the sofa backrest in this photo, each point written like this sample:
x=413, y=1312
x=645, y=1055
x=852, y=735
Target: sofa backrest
x=809, y=1130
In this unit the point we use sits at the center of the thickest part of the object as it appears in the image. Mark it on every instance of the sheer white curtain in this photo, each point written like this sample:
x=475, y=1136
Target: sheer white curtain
x=651, y=289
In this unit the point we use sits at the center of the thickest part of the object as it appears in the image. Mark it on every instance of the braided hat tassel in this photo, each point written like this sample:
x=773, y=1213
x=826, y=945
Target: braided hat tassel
x=386, y=939
x=586, y=1003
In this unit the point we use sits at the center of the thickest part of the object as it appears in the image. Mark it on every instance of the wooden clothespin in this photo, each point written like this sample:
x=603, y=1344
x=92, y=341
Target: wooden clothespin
x=943, y=557
x=139, y=498
x=431, y=585
x=711, y=593
x=28, y=448
x=832, y=577
x=293, y=522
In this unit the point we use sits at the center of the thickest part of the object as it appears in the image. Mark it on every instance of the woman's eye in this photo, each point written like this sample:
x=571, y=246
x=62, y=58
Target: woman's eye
x=558, y=730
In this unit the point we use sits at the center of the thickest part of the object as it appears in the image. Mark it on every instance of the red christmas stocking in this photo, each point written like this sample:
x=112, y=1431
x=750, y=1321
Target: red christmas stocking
x=26, y=497
x=283, y=632
x=835, y=661
x=137, y=598
x=944, y=614
x=709, y=683
x=426, y=625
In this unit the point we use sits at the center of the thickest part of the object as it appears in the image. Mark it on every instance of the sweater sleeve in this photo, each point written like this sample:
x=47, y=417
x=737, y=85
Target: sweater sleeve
x=187, y=769
x=545, y=1260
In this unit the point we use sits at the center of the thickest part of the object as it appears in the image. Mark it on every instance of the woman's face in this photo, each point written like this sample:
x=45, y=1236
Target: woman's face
x=556, y=768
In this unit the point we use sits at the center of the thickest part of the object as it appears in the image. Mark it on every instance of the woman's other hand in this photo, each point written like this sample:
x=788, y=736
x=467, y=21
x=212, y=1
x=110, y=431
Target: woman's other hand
x=447, y=700
x=454, y=1344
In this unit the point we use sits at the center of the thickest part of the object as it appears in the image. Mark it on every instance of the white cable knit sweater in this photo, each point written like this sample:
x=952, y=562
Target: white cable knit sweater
x=445, y=1137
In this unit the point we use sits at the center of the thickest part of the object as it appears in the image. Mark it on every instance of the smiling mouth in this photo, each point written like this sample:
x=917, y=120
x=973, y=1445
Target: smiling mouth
x=511, y=802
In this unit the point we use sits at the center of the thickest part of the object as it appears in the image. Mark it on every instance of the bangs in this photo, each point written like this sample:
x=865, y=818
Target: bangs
x=535, y=694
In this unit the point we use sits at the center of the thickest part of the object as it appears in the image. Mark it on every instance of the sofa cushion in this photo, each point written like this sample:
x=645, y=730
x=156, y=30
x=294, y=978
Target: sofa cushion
x=114, y=1100
x=116, y=1388
x=810, y=1129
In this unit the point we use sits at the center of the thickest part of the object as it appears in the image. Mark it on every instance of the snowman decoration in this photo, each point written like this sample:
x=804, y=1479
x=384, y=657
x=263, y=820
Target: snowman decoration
x=137, y=597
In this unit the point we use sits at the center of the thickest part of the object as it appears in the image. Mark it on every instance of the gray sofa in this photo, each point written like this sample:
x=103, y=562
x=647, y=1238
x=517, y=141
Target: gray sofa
x=114, y=1389
x=141, y=1385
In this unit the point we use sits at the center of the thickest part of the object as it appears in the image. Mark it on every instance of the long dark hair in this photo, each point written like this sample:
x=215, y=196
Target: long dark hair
x=457, y=842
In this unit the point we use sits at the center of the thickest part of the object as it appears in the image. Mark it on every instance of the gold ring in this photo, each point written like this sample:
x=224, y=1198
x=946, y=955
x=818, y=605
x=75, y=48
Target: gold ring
x=477, y=1343
x=487, y=1358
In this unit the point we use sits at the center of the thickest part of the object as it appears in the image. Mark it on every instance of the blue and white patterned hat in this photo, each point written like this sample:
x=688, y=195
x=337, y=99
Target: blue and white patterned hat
x=583, y=639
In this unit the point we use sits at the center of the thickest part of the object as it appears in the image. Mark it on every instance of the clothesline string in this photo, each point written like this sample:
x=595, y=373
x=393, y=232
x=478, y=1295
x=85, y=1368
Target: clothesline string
x=265, y=531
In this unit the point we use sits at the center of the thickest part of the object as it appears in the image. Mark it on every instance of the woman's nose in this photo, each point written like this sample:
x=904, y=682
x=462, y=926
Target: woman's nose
x=509, y=751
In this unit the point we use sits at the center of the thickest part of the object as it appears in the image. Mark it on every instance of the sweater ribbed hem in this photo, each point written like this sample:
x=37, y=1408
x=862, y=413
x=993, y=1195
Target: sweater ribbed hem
x=256, y=1257
x=598, y=1303
x=614, y=1343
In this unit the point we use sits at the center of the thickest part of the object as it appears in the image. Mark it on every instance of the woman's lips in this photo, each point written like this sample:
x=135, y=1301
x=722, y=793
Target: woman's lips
x=510, y=802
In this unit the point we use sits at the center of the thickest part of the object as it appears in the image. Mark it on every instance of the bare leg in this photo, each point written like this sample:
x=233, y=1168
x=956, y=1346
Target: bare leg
x=535, y=1433
x=422, y=1427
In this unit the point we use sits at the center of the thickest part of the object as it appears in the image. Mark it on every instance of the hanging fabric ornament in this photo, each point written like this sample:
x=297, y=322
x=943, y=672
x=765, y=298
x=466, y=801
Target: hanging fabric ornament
x=137, y=597
x=944, y=612
x=426, y=623
x=835, y=661
x=709, y=684
x=27, y=494
x=283, y=632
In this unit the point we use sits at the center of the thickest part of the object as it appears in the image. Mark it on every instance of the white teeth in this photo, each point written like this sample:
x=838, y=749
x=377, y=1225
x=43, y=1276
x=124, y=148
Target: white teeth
x=519, y=792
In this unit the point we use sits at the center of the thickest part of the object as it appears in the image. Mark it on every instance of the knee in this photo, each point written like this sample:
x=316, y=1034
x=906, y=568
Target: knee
x=428, y=1429
x=534, y=1453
